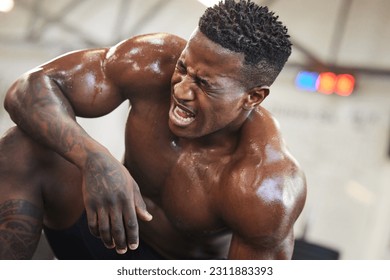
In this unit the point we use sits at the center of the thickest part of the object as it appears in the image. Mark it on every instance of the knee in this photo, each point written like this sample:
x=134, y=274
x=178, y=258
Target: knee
x=27, y=167
x=19, y=153
x=20, y=164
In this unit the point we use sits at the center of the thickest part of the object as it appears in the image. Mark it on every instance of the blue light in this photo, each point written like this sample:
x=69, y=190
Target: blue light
x=306, y=80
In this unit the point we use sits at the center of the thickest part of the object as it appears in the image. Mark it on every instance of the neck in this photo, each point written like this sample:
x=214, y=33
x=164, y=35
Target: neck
x=223, y=141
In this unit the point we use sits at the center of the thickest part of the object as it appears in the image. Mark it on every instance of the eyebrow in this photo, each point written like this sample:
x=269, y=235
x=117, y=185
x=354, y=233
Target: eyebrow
x=195, y=76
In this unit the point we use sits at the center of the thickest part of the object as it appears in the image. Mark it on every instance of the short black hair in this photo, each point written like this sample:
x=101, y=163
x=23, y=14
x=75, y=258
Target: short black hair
x=244, y=27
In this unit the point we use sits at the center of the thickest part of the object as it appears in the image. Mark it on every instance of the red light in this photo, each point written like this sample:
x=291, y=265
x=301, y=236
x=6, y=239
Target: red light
x=345, y=84
x=326, y=82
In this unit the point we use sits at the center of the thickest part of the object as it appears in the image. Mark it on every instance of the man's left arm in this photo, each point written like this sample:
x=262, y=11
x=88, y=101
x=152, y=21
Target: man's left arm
x=261, y=209
x=242, y=248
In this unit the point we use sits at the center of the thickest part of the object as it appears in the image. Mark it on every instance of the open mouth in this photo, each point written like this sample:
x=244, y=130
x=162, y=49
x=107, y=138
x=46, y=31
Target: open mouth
x=181, y=117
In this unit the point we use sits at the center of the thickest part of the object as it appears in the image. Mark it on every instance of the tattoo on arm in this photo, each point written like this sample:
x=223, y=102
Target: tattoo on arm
x=48, y=116
x=20, y=229
x=99, y=166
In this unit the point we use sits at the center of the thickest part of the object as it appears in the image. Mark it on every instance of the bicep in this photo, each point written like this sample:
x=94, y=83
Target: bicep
x=262, y=229
x=243, y=248
x=80, y=77
x=261, y=232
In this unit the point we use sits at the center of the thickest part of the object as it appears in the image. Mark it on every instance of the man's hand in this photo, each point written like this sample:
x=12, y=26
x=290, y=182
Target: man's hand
x=113, y=201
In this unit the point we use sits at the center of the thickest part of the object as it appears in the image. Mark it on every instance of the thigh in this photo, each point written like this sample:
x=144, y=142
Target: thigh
x=36, y=186
x=21, y=207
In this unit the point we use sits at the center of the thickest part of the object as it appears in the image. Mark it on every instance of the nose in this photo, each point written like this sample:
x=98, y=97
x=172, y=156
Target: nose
x=183, y=90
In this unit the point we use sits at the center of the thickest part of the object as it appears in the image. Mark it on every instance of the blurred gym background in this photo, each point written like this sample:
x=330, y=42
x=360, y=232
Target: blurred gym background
x=332, y=99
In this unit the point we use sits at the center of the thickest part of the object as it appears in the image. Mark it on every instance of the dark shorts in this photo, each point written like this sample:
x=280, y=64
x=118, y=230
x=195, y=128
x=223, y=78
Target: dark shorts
x=77, y=243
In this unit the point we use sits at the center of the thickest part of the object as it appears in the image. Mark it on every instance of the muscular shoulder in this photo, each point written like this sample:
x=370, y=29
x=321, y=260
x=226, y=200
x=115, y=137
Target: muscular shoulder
x=266, y=187
x=150, y=58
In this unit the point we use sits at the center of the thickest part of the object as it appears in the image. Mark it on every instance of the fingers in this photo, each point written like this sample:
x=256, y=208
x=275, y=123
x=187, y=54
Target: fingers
x=92, y=222
x=124, y=229
x=114, y=220
x=131, y=226
x=104, y=229
x=143, y=214
x=140, y=206
x=110, y=229
x=118, y=232
x=131, y=212
x=118, y=229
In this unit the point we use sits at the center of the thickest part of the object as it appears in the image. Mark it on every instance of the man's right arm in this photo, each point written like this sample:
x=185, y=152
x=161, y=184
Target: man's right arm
x=44, y=103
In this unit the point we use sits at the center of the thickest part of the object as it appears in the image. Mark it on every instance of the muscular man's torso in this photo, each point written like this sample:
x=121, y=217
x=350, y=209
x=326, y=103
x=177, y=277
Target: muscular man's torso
x=186, y=189
x=195, y=193
x=181, y=187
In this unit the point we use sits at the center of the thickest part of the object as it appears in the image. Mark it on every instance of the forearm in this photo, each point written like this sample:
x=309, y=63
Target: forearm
x=38, y=106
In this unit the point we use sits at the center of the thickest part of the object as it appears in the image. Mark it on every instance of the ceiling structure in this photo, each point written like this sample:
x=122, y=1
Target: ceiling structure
x=341, y=35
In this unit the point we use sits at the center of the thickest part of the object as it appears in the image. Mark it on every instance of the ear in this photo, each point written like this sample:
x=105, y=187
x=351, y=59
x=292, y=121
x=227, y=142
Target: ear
x=255, y=96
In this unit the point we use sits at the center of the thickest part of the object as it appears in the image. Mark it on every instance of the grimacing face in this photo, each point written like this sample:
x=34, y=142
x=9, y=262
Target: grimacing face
x=207, y=94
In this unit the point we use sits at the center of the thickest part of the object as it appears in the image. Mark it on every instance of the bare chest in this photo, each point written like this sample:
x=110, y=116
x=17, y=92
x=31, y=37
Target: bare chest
x=191, y=193
x=184, y=185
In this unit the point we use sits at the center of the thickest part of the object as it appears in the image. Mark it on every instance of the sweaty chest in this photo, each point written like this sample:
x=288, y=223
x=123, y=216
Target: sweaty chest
x=181, y=184
x=191, y=194
x=149, y=150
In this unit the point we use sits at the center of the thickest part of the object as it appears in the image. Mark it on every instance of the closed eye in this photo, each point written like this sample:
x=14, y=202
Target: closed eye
x=181, y=67
x=202, y=82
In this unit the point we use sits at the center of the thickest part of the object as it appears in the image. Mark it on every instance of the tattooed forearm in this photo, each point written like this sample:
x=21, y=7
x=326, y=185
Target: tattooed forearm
x=44, y=113
x=20, y=229
x=52, y=117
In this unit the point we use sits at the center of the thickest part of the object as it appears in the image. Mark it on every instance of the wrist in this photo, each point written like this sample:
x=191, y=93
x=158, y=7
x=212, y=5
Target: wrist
x=90, y=151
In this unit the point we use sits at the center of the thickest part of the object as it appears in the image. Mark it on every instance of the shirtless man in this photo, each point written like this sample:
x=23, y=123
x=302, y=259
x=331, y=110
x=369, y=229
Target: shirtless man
x=206, y=173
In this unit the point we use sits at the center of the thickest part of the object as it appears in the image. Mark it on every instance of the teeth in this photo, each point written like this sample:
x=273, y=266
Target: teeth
x=178, y=115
